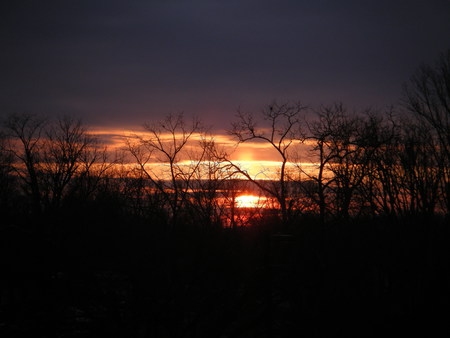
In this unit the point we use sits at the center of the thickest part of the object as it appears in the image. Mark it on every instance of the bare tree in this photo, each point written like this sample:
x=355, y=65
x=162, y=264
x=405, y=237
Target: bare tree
x=208, y=183
x=427, y=96
x=24, y=135
x=7, y=178
x=402, y=177
x=165, y=144
x=95, y=164
x=282, y=130
x=320, y=136
x=349, y=163
x=378, y=138
x=66, y=146
x=51, y=158
x=342, y=146
x=421, y=174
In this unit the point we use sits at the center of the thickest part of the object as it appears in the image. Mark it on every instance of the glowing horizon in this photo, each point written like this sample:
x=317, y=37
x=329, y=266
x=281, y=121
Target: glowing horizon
x=254, y=152
x=257, y=170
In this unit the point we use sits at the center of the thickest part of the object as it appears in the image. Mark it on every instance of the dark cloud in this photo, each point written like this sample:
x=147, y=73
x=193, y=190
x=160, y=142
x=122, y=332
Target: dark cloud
x=116, y=62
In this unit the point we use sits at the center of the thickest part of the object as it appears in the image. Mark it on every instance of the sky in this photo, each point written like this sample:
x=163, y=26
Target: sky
x=119, y=64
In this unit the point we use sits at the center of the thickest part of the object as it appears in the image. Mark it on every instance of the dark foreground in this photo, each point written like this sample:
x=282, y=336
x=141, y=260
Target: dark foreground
x=126, y=279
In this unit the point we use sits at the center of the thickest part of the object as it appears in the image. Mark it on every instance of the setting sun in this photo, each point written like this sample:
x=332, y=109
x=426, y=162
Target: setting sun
x=250, y=201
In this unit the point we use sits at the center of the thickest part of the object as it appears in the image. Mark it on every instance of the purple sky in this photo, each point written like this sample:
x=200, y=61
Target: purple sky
x=123, y=63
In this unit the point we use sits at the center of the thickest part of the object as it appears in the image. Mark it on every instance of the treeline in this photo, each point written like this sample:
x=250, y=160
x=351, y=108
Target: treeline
x=394, y=163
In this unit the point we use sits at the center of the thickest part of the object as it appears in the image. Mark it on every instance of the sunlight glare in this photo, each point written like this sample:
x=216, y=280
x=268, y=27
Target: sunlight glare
x=249, y=201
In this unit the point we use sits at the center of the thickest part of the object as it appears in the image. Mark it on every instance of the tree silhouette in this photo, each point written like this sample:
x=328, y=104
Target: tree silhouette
x=24, y=134
x=66, y=144
x=282, y=131
x=208, y=183
x=7, y=179
x=165, y=143
x=427, y=97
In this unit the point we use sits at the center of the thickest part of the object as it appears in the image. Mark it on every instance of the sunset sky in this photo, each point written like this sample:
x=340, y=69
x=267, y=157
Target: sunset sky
x=119, y=64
